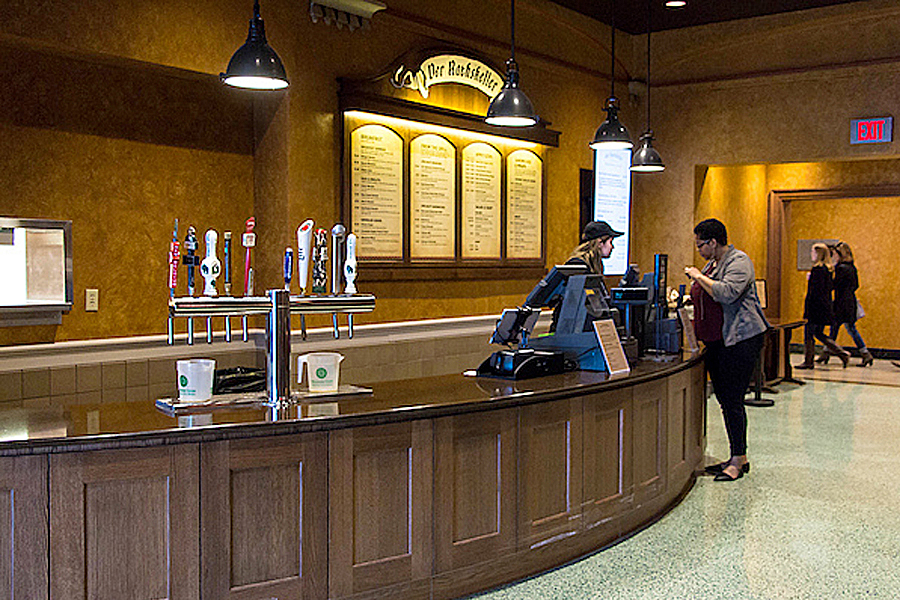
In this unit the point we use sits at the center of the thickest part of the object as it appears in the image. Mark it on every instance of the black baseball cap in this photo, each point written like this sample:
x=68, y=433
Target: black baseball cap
x=598, y=229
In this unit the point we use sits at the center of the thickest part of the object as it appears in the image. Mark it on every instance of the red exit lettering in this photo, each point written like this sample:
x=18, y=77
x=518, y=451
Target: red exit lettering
x=870, y=130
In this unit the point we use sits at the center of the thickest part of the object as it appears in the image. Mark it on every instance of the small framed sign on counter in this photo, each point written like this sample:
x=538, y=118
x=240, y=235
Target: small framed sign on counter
x=608, y=338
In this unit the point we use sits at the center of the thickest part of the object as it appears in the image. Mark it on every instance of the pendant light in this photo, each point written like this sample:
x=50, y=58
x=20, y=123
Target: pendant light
x=646, y=159
x=255, y=65
x=511, y=107
x=612, y=134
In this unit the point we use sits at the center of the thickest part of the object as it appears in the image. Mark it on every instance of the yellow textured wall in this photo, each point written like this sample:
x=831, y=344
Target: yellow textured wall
x=851, y=220
x=738, y=195
x=123, y=166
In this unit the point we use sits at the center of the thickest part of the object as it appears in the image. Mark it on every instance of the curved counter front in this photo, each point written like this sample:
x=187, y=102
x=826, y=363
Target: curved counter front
x=428, y=488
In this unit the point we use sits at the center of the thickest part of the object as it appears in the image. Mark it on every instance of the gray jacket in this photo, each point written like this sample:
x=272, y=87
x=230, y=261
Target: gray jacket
x=734, y=287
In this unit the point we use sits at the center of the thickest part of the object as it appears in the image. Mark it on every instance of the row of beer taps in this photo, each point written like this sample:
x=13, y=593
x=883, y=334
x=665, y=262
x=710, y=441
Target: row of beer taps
x=312, y=250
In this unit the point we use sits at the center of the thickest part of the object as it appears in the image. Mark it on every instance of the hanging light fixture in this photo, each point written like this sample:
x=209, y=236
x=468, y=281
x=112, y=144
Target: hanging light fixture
x=612, y=134
x=646, y=159
x=511, y=107
x=255, y=65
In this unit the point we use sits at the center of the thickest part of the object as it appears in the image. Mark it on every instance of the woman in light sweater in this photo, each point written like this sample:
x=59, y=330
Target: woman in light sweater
x=729, y=278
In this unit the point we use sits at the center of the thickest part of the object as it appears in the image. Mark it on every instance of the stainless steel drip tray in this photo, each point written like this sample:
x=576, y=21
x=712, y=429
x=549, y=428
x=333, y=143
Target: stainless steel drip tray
x=305, y=395
x=173, y=407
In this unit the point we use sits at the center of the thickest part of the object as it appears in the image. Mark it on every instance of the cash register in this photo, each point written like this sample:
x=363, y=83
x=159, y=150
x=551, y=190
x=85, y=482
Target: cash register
x=580, y=299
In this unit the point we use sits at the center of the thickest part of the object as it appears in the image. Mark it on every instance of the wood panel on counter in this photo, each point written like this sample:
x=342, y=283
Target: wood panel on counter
x=380, y=510
x=550, y=478
x=432, y=508
x=264, y=518
x=23, y=528
x=474, y=489
x=125, y=524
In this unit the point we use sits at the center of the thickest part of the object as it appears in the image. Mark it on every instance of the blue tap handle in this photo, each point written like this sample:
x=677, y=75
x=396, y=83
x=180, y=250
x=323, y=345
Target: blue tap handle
x=288, y=267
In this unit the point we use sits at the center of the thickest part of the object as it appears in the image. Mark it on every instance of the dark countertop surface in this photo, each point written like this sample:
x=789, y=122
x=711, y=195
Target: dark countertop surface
x=140, y=424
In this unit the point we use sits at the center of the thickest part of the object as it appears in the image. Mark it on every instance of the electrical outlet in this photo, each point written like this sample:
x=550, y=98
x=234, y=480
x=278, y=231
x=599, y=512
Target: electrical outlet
x=91, y=300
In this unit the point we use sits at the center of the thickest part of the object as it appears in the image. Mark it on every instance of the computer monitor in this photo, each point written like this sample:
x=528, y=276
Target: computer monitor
x=553, y=282
x=515, y=325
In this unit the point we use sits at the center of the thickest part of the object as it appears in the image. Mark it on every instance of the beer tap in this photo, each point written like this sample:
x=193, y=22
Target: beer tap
x=190, y=260
x=304, y=235
x=174, y=256
x=350, y=276
x=227, y=285
x=338, y=232
x=210, y=269
x=288, y=268
x=248, y=240
x=320, y=261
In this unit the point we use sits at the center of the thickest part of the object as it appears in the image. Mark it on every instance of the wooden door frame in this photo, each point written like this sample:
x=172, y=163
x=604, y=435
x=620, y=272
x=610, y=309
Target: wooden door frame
x=776, y=232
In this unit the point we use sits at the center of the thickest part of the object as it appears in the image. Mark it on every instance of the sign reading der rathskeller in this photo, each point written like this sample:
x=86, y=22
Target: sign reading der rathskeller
x=449, y=68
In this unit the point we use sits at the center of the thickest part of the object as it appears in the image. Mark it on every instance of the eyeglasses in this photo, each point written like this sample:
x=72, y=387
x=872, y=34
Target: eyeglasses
x=703, y=243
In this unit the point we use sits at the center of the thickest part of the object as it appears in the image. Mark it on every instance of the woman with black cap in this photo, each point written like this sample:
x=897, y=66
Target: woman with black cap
x=596, y=244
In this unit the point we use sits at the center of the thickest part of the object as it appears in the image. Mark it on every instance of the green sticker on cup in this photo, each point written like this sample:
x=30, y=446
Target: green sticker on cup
x=321, y=372
x=183, y=380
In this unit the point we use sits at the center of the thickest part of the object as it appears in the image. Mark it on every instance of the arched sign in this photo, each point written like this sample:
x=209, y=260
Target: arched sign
x=449, y=68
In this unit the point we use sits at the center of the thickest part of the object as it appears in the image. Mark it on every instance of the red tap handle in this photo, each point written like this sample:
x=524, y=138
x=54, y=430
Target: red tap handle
x=248, y=240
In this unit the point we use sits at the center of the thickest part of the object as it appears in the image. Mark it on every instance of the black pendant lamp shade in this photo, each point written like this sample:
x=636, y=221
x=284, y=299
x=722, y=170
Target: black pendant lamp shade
x=612, y=135
x=511, y=107
x=646, y=159
x=255, y=65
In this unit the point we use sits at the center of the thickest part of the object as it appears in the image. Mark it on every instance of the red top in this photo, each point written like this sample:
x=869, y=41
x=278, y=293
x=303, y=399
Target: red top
x=708, y=317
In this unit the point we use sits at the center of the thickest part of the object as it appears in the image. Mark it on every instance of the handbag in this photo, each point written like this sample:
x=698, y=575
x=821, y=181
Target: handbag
x=860, y=312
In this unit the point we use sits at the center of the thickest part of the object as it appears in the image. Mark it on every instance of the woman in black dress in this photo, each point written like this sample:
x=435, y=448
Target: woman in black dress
x=818, y=309
x=846, y=282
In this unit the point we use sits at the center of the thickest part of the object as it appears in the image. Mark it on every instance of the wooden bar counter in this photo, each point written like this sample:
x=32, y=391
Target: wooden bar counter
x=435, y=487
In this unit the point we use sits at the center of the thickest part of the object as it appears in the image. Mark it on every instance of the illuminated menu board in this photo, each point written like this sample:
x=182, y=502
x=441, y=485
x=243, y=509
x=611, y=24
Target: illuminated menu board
x=523, y=204
x=481, y=165
x=612, y=202
x=376, y=195
x=433, y=197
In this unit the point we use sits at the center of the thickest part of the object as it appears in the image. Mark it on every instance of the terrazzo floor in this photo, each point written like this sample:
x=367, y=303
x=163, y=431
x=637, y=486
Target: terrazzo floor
x=818, y=517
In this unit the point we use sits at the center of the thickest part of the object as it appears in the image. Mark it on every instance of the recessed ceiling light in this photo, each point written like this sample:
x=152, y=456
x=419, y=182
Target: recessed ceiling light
x=676, y=3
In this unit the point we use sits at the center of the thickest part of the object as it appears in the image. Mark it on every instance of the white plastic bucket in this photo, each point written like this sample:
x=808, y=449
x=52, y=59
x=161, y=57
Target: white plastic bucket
x=195, y=379
x=322, y=370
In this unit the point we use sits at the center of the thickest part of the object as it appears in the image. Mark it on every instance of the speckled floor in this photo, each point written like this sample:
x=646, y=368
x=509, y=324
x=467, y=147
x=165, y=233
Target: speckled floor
x=817, y=518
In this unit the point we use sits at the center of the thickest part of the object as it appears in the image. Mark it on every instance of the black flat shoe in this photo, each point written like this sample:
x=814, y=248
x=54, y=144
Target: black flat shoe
x=723, y=476
x=719, y=467
x=805, y=366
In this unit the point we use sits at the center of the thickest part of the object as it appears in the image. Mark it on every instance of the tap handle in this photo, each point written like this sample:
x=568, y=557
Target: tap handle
x=248, y=240
x=227, y=245
x=174, y=256
x=338, y=233
x=320, y=261
x=210, y=268
x=190, y=257
x=350, y=265
x=288, y=267
x=304, y=238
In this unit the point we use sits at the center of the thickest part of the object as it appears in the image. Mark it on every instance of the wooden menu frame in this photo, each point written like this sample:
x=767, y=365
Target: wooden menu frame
x=426, y=119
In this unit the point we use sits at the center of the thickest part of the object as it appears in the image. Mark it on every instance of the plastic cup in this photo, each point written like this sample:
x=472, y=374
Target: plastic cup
x=195, y=379
x=322, y=370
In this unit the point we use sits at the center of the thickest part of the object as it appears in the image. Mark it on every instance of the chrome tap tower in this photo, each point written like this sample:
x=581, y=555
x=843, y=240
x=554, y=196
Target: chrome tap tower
x=278, y=306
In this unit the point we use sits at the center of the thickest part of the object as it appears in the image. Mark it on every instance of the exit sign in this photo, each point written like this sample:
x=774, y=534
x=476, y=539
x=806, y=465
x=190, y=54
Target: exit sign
x=871, y=131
